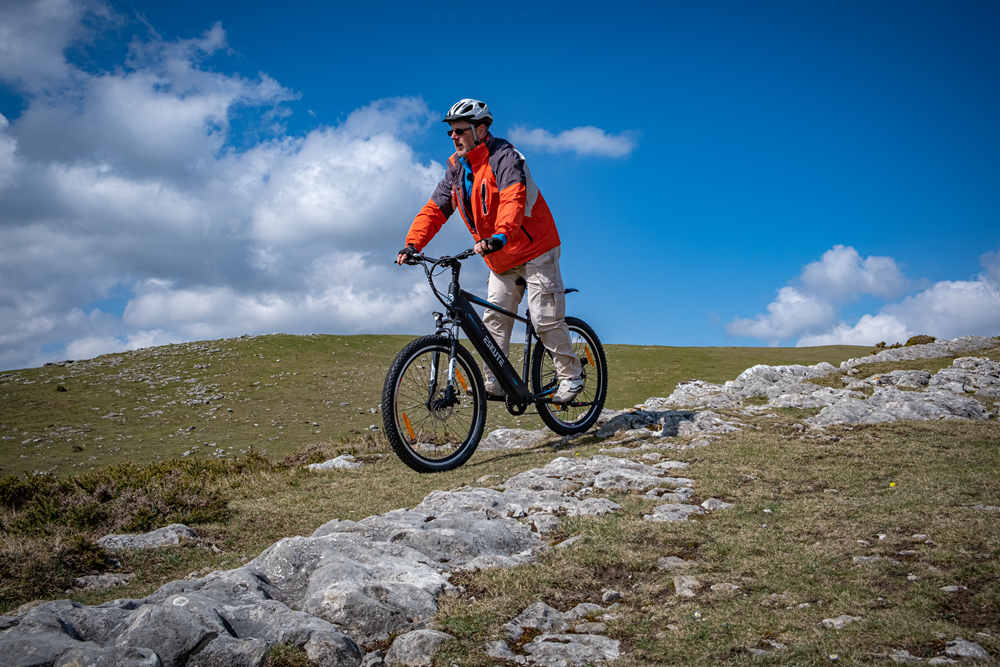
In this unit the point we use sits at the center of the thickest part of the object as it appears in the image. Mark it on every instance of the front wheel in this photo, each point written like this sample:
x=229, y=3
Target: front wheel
x=579, y=414
x=433, y=417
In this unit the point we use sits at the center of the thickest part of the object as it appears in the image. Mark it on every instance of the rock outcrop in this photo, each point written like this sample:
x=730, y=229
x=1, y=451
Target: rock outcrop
x=966, y=390
x=348, y=585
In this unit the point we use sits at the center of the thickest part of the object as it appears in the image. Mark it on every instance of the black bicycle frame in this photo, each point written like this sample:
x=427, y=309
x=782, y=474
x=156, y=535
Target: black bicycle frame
x=460, y=310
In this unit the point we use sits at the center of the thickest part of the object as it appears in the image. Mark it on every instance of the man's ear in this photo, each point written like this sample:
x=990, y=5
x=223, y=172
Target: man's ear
x=485, y=130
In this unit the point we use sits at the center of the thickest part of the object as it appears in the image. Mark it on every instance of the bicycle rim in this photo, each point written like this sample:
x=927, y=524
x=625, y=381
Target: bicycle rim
x=437, y=426
x=580, y=413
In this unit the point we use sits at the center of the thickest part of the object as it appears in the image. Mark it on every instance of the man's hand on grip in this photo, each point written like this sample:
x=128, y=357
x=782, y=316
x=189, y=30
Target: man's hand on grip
x=405, y=256
x=491, y=244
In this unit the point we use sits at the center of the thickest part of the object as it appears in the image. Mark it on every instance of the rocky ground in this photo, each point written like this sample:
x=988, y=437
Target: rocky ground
x=348, y=589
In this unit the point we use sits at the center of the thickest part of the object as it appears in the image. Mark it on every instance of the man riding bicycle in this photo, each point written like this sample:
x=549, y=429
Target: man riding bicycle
x=488, y=181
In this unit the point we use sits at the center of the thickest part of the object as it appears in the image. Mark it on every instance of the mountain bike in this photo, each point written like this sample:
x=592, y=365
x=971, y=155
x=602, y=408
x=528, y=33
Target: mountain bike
x=434, y=401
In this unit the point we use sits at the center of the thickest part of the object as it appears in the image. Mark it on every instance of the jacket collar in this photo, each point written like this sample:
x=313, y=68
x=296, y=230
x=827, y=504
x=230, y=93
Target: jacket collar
x=480, y=154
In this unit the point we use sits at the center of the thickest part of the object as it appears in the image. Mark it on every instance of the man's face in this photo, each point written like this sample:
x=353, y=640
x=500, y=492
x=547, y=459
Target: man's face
x=463, y=135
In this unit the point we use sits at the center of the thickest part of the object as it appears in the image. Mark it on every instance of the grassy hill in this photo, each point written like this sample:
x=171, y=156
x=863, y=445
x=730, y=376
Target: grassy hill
x=274, y=394
x=911, y=500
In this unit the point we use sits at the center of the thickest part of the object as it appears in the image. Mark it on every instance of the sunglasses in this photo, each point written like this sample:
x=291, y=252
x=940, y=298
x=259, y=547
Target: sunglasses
x=459, y=131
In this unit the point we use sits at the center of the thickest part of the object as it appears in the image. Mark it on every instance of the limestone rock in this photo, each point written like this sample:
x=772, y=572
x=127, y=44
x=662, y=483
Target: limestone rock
x=902, y=656
x=568, y=650
x=674, y=563
x=686, y=586
x=342, y=462
x=714, y=504
x=539, y=617
x=673, y=512
x=417, y=648
x=102, y=581
x=906, y=379
x=960, y=648
x=171, y=535
x=512, y=438
x=945, y=348
x=839, y=622
x=499, y=650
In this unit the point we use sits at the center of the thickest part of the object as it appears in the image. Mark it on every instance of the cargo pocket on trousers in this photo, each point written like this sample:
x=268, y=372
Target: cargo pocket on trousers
x=551, y=309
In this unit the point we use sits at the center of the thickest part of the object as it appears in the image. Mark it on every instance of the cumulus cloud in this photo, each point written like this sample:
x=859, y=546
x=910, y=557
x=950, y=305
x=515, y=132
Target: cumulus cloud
x=127, y=182
x=808, y=313
x=793, y=311
x=8, y=146
x=35, y=35
x=587, y=140
x=842, y=274
x=869, y=330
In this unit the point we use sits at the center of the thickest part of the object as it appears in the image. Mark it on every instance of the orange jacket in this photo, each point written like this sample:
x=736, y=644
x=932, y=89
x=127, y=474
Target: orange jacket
x=504, y=200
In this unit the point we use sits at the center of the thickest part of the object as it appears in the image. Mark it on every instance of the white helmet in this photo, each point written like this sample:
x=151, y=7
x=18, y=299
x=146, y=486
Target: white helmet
x=474, y=111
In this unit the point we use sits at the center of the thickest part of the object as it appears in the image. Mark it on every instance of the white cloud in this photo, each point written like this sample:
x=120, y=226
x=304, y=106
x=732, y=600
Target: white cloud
x=791, y=313
x=947, y=309
x=8, y=147
x=808, y=312
x=126, y=181
x=34, y=35
x=587, y=140
x=344, y=288
x=951, y=308
x=808, y=305
x=869, y=330
x=842, y=274
x=340, y=187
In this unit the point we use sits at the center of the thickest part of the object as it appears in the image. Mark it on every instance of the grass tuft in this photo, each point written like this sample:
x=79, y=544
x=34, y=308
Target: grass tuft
x=286, y=655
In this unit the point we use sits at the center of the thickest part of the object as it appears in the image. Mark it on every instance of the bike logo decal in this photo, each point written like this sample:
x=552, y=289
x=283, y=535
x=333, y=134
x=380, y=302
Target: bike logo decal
x=492, y=347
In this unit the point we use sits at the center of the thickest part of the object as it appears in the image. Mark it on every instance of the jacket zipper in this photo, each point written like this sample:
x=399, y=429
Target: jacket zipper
x=483, y=192
x=466, y=214
x=523, y=229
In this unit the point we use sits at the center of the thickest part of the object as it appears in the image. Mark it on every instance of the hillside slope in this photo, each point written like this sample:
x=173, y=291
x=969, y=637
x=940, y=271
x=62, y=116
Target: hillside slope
x=275, y=394
x=689, y=535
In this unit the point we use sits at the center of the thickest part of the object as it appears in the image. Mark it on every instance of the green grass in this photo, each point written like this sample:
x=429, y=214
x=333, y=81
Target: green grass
x=826, y=492
x=803, y=509
x=273, y=394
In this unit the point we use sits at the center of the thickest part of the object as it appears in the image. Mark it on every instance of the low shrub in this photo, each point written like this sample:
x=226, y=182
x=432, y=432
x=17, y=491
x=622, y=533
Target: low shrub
x=121, y=498
x=920, y=339
x=32, y=569
x=51, y=524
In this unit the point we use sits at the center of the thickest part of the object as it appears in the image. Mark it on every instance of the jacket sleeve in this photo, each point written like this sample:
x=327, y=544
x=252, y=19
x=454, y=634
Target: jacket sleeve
x=435, y=213
x=512, y=184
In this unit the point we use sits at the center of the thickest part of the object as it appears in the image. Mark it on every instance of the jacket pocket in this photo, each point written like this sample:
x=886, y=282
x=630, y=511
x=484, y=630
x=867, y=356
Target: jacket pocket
x=525, y=230
x=485, y=197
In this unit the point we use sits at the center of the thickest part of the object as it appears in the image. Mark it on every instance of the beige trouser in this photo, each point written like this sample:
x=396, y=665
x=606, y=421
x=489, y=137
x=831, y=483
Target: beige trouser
x=546, y=303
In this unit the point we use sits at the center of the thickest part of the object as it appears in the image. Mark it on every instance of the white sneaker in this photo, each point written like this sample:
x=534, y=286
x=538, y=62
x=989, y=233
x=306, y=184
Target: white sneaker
x=568, y=389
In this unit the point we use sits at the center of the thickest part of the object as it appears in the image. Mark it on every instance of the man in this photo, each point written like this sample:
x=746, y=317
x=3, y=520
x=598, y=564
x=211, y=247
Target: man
x=489, y=183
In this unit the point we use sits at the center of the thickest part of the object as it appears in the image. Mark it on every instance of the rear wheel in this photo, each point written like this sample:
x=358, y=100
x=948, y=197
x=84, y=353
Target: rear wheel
x=579, y=414
x=433, y=425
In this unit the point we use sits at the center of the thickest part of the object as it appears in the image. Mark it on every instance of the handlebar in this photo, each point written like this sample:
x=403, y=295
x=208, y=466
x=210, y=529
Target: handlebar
x=429, y=264
x=418, y=258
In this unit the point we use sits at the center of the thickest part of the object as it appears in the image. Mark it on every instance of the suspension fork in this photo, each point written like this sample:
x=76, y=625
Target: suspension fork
x=432, y=384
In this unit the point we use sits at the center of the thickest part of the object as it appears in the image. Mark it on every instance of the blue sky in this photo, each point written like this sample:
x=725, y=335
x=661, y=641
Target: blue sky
x=745, y=174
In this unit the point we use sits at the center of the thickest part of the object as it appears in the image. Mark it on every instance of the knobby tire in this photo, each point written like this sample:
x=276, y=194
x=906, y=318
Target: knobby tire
x=572, y=419
x=417, y=424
